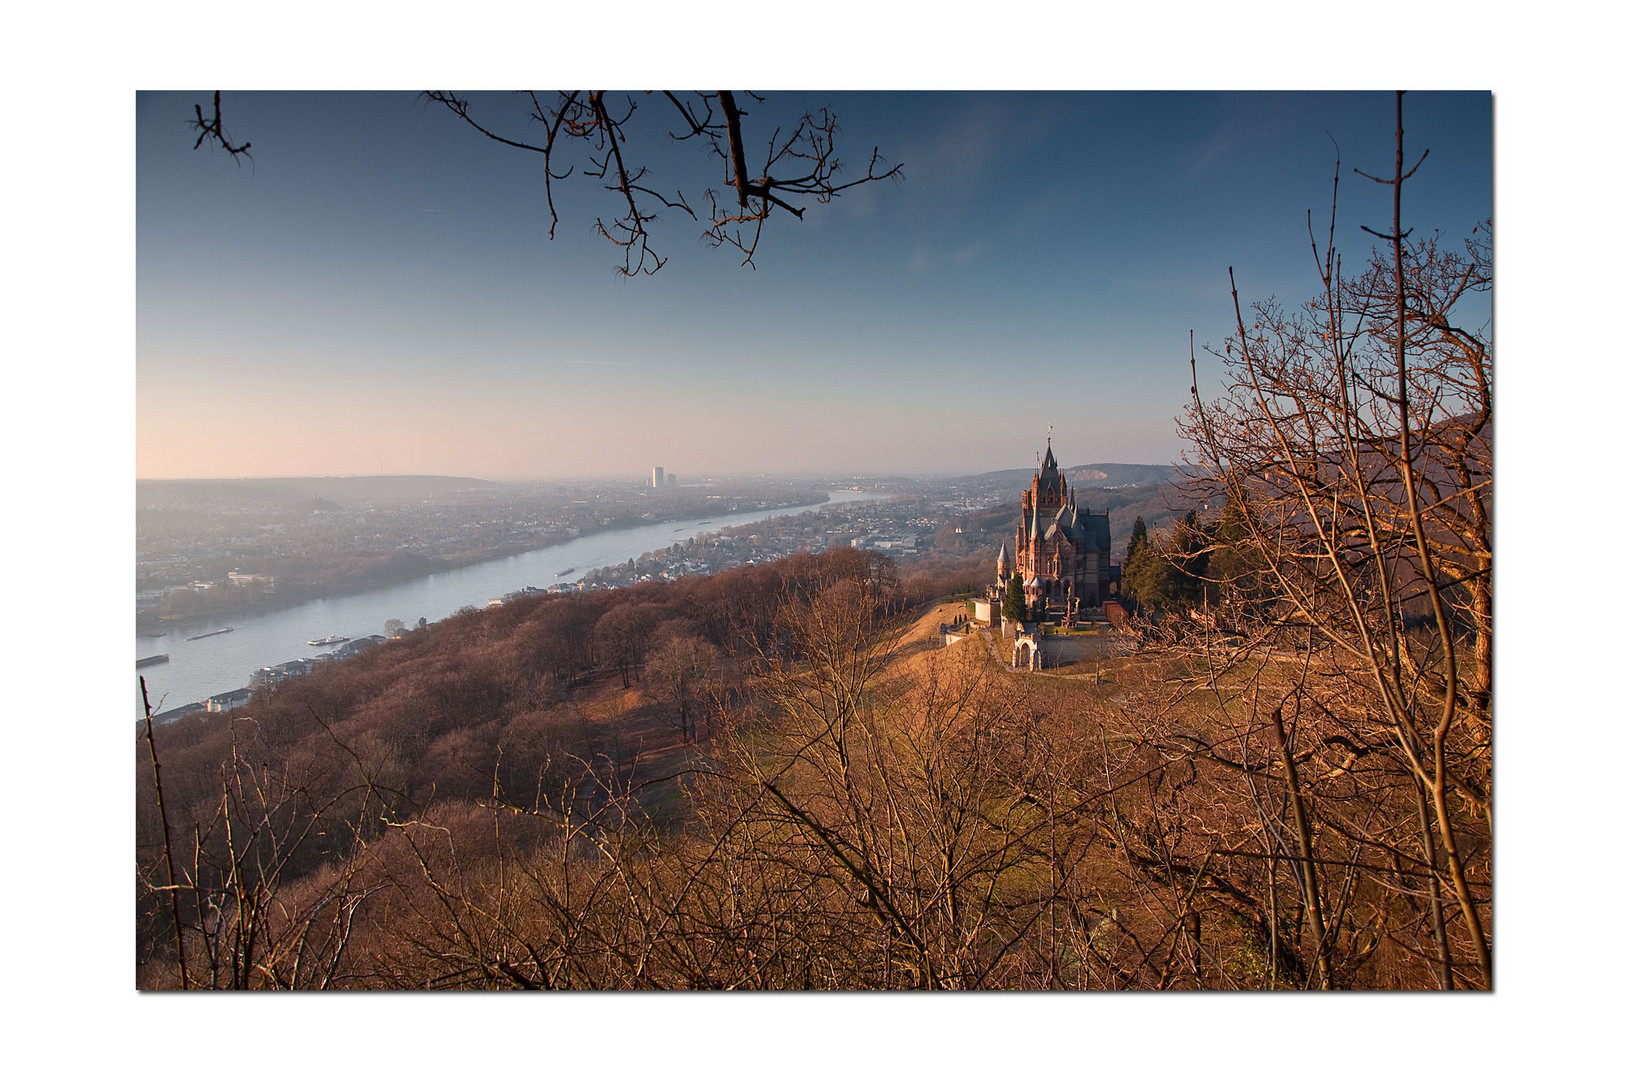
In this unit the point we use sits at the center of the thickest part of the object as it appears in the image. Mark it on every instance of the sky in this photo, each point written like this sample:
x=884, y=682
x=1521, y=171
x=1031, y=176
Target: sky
x=376, y=291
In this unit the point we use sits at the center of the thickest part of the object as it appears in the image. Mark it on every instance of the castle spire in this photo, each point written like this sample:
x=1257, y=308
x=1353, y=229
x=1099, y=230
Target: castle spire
x=1050, y=487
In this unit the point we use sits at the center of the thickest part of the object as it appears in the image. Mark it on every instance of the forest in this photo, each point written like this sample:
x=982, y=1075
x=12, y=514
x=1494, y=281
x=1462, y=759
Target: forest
x=774, y=777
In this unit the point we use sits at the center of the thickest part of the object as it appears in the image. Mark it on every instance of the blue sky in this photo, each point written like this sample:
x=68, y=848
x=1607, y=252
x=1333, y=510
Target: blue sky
x=377, y=289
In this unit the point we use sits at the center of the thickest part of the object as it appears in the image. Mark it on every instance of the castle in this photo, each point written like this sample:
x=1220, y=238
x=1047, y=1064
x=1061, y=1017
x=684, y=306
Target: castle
x=1061, y=552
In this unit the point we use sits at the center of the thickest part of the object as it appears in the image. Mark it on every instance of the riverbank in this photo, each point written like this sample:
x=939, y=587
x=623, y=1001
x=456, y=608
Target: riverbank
x=200, y=669
x=150, y=624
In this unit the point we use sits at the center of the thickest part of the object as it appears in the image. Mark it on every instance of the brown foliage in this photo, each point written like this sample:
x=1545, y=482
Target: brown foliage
x=851, y=815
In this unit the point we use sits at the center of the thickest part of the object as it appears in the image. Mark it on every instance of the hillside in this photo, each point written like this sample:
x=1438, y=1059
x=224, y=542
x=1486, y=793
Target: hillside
x=773, y=777
x=1097, y=475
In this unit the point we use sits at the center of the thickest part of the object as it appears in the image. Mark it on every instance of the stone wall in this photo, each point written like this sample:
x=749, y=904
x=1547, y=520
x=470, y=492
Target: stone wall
x=1061, y=649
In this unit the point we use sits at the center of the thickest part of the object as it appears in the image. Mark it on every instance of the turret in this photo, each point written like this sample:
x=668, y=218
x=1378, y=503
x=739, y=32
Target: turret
x=1050, y=486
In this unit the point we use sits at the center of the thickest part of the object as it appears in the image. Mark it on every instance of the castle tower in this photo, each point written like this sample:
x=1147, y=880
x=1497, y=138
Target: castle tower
x=1050, y=488
x=1061, y=551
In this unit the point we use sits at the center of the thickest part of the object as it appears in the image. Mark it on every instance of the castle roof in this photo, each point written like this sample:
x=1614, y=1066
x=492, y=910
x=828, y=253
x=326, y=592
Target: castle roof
x=1048, y=480
x=1082, y=528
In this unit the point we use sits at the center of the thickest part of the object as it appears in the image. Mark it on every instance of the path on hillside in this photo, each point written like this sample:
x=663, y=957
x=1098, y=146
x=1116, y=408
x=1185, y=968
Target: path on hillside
x=994, y=650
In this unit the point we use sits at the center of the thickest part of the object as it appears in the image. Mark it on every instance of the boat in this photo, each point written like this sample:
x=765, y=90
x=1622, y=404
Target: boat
x=212, y=633
x=567, y=570
x=149, y=661
x=334, y=640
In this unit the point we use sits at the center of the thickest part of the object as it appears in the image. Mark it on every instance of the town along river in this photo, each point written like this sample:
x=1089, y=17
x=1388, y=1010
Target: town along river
x=218, y=663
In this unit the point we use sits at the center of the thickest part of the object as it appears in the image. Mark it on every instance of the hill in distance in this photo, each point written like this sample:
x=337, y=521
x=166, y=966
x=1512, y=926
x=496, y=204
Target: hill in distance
x=1097, y=475
x=307, y=488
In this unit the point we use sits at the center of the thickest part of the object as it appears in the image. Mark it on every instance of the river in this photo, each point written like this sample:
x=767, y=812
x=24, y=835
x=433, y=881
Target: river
x=222, y=662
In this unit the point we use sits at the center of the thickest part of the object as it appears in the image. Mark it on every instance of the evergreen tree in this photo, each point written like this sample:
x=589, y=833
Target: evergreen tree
x=1191, y=553
x=1165, y=571
x=1150, y=579
x=1014, y=608
x=1235, y=564
x=1138, y=540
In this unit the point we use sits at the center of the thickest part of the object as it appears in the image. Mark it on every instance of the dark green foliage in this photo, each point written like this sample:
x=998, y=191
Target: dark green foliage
x=1191, y=550
x=1138, y=539
x=1014, y=608
x=1235, y=567
x=1165, y=573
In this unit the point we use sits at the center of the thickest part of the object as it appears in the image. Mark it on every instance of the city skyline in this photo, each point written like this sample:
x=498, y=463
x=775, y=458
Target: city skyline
x=376, y=290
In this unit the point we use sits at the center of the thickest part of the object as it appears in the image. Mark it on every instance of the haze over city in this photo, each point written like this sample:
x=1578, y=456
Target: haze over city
x=376, y=291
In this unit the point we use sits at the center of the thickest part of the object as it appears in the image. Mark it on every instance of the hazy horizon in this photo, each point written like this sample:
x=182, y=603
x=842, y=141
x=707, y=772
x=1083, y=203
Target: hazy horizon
x=683, y=479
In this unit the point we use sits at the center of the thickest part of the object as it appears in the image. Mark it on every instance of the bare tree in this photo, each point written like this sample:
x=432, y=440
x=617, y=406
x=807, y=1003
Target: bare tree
x=592, y=131
x=789, y=169
x=683, y=674
x=1351, y=444
x=248, y=911
x=212, y=130
x=622, y=636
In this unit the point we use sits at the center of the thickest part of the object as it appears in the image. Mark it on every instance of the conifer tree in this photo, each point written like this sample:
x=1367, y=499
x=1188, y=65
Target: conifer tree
x=1014, y=607
x=1138, y=539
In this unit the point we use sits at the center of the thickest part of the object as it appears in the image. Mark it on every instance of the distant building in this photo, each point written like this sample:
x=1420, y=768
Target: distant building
x=672, y=479
x=655, y=477
x=261, y=582
x=277, y=673
x=236, y=699
x=1060, y=557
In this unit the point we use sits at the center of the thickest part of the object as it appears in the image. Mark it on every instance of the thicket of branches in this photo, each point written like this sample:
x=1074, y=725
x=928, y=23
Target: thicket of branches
x=850, y=825
x=593, y=133
x=862, y=811
x=1351, y=442
x=782, y=172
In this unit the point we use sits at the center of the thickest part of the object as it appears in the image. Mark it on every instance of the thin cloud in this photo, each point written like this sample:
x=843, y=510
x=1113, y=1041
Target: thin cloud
x=922, y=260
